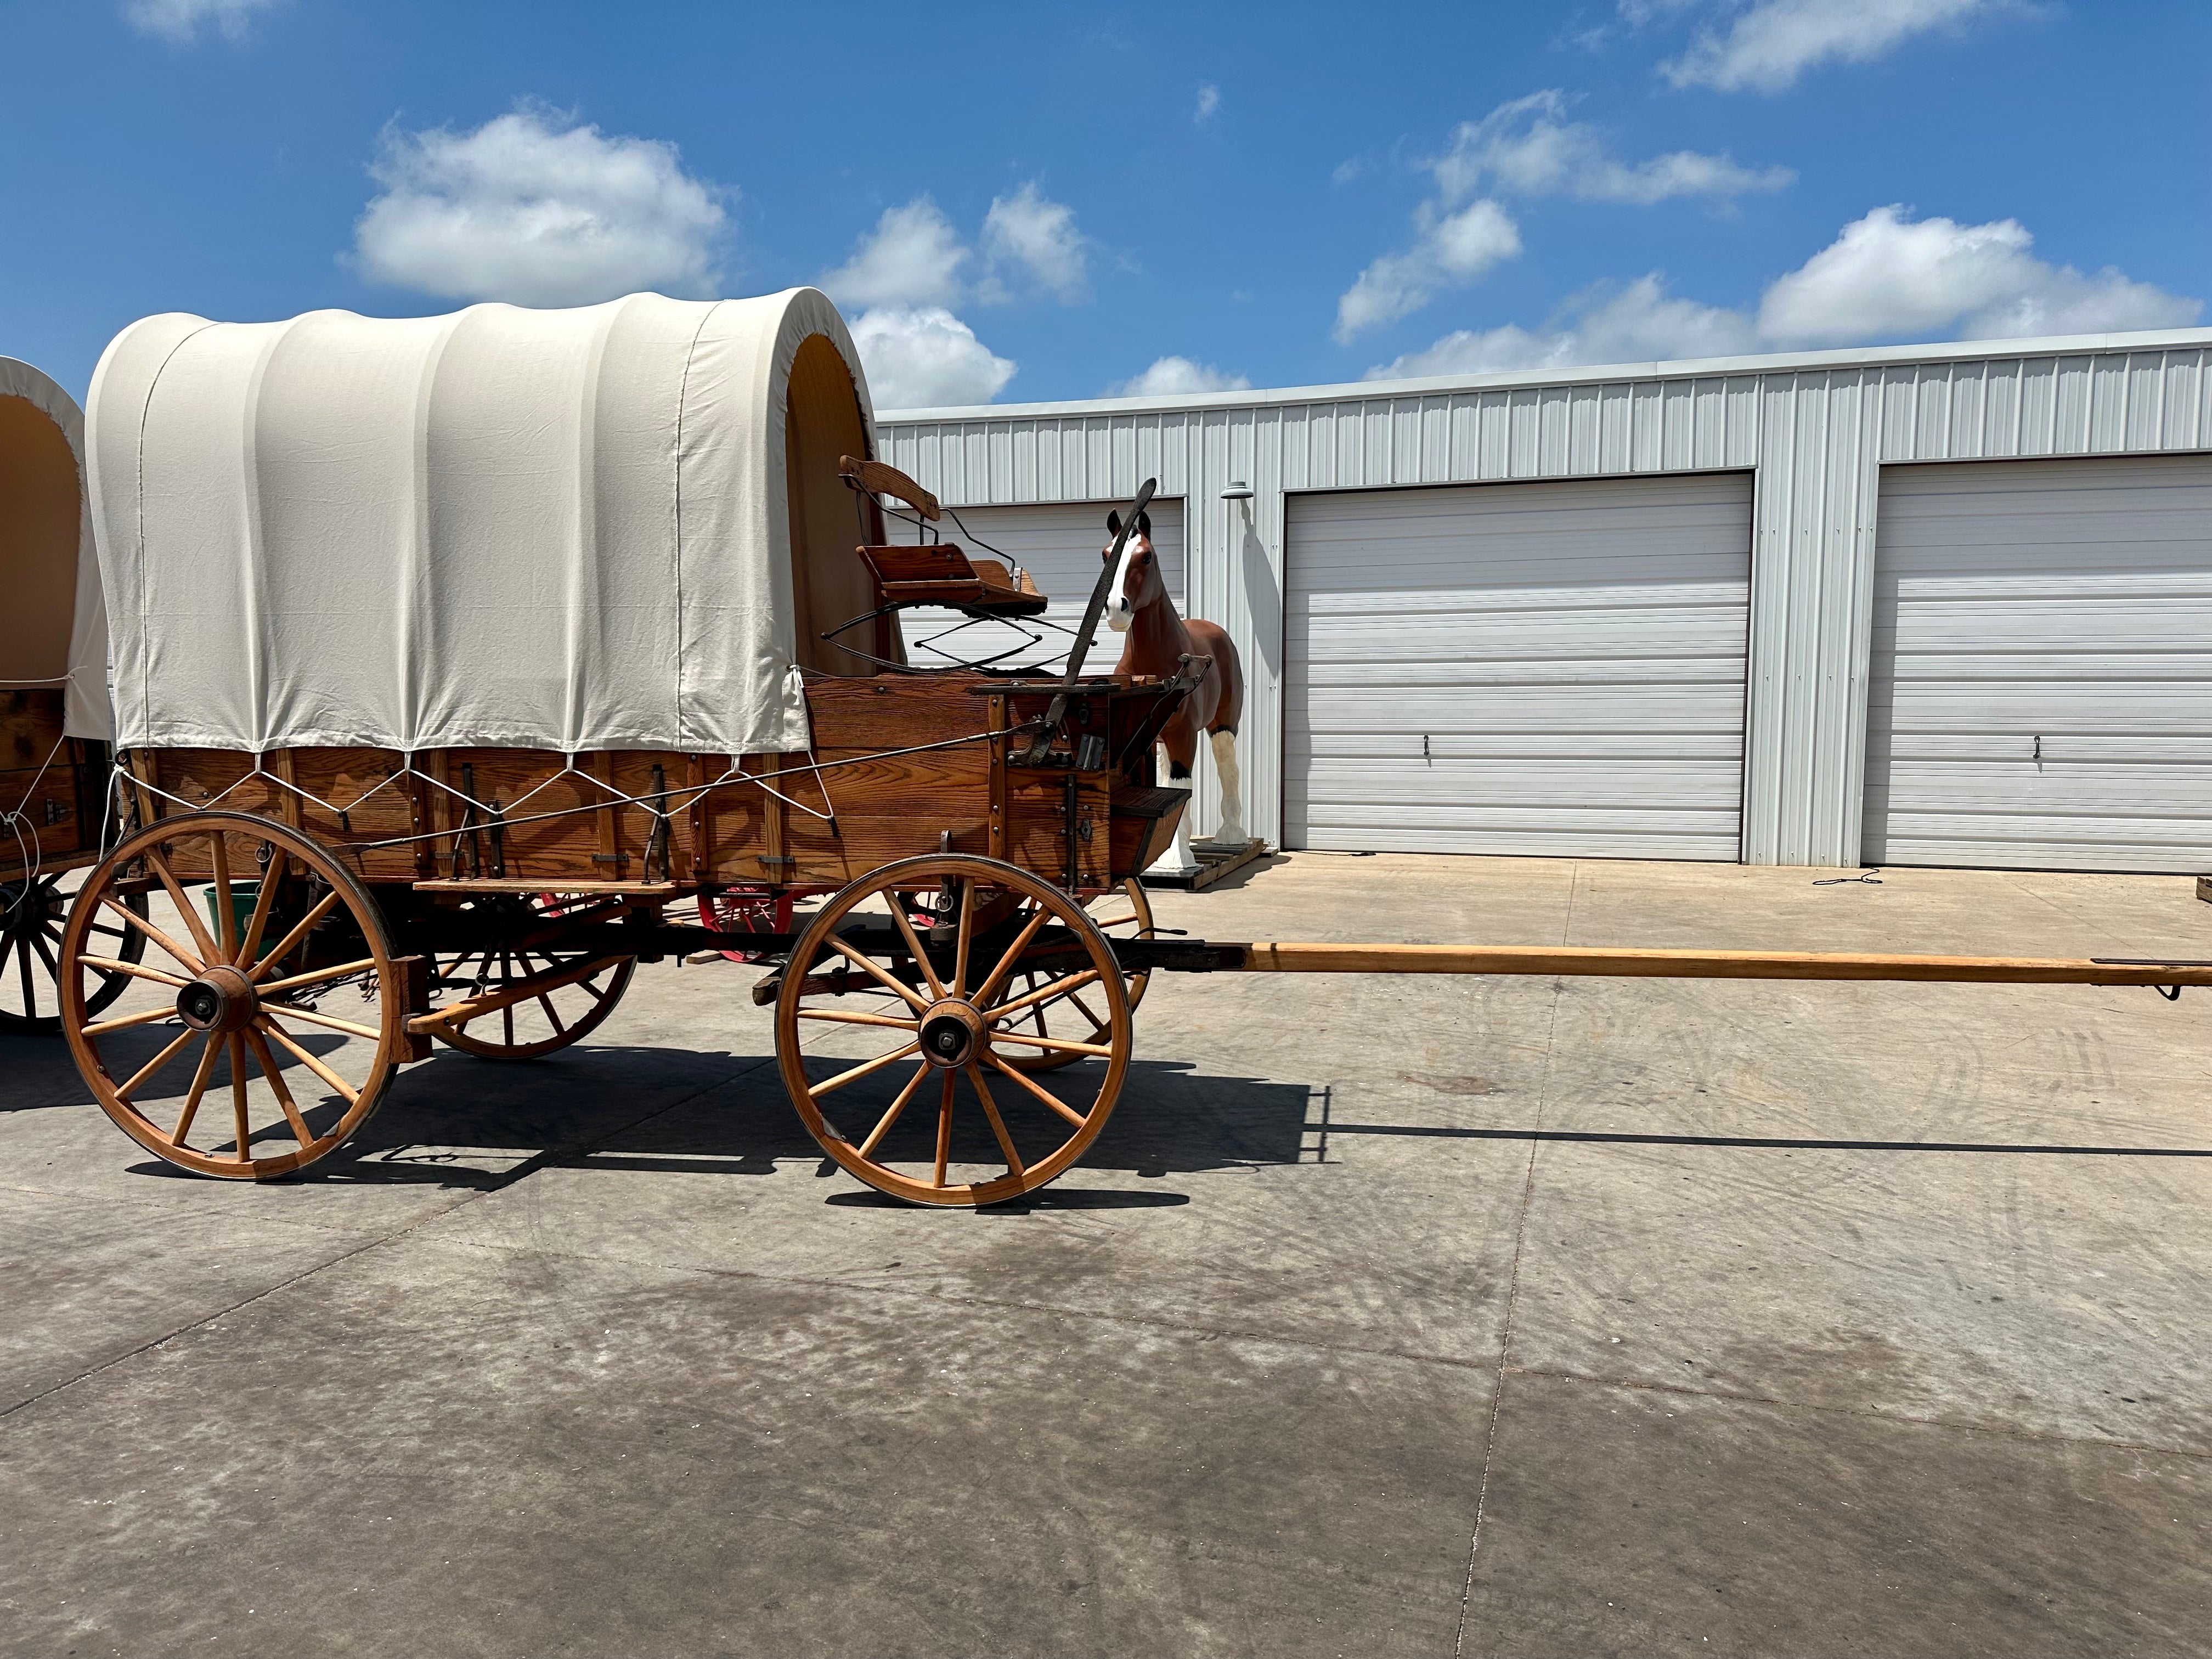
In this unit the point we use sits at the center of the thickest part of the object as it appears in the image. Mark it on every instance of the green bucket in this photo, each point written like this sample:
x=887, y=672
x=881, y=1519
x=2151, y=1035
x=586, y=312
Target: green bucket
x=243, y=894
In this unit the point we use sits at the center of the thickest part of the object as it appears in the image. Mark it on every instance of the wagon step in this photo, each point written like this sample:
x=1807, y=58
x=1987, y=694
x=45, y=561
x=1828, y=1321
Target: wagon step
x=1272, y=957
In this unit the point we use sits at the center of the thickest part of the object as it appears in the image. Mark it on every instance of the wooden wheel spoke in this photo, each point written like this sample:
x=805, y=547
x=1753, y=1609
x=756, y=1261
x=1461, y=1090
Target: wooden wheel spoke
x=1012, y=954
x=199, y=1089
x=1051, y=992
x=102, y=1027
x=290, y=942
x=883, y=1124
x=275, y=1073
x=1097, y=1024
x=193, y=963
x=318, y=976
x=155, y=1064
x=1057, y=1045
x=200, y=936
x=243, y=1125
x=331, y=1022
x=967, y=931
x=226, y=912
x=845, y=1016
x=345, y=1090
x=1037, y=1089
x=117, y=965
x=913, y=943
x=944, y=1128
x=546, y=1003
x=855, y=956
x=1014, y=1165
x=263, y=898
x=865, y=1069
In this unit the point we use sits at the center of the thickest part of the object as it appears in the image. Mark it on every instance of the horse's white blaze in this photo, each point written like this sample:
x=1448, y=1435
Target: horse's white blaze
x=1119, y=615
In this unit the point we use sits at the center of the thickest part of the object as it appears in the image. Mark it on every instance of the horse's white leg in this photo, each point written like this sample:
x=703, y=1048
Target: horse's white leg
x=1178, y=860
x=1232, y=832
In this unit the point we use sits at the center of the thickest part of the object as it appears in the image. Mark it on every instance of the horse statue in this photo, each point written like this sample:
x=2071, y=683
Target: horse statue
x=1156, y=642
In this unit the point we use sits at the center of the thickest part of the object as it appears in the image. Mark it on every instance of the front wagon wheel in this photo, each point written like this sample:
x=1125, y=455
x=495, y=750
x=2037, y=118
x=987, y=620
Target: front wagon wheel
x=904, y=1052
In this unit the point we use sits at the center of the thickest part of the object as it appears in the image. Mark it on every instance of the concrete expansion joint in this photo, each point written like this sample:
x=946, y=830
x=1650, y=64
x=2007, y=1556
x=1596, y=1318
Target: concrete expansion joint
x=2099, y=1443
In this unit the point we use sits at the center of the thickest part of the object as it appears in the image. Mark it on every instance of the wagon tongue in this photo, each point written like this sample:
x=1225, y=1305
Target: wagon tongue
x=1042, y=743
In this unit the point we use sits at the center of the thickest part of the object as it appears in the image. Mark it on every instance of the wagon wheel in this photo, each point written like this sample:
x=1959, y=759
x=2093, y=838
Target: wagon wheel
x=554, y=1020
x=31, y=916
x=231, y=1000
x=1124, y=912
x=949, y=1032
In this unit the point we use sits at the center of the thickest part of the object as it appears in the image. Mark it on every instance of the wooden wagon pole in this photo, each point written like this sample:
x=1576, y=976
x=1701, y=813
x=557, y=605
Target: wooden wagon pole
x=1269, y=956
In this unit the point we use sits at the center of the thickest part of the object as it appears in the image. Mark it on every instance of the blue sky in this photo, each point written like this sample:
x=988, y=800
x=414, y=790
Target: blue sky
x=1023, y=203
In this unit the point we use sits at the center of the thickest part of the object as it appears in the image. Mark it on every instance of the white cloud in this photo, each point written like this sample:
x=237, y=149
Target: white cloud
x=524, y=211
x=1209, y=103
x=1525, y=148
x=1169, y=376
x=1640, y=323
x=1036, y=240
x=912, y=257
x=925, y=358
x=1451, y=249
x=1884, y=277
x=1769, y=46
x=1888, y=275
x=181, y=20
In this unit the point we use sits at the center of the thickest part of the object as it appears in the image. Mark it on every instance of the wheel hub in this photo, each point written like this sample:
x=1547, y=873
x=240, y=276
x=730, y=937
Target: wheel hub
x=221, y=999
x=952, y=1033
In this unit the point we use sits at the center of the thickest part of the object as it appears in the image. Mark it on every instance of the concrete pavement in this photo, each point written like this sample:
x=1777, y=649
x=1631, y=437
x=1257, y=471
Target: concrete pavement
x=1421, y=1315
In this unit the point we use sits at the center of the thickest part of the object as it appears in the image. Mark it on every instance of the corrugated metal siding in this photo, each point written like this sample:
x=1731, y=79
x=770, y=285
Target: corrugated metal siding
x=1816, y=433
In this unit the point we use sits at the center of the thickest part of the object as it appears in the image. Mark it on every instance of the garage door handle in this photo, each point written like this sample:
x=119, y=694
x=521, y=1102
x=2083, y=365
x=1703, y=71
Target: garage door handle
x=1424, y=745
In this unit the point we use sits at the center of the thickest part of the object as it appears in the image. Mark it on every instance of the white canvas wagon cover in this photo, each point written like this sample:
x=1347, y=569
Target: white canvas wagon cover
x=564, y=530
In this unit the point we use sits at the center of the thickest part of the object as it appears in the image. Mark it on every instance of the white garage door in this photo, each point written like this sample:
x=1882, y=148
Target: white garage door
x=1544, y=668
x=2041, y=696
x=1059, y=544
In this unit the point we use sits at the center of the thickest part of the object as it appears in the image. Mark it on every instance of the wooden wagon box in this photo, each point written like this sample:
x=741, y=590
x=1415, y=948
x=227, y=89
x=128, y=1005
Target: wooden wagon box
x=902, y=765
x=55, y=785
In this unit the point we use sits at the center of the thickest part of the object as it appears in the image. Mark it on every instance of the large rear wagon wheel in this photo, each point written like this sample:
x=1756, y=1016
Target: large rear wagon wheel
x=230, y=1002
x=873, y=1018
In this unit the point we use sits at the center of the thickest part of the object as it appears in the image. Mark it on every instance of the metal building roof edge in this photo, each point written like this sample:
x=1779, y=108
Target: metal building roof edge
x=1597, y=374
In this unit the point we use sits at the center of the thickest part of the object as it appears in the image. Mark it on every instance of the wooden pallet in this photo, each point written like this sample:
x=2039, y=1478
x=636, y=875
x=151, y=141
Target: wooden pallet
x=1213, y=864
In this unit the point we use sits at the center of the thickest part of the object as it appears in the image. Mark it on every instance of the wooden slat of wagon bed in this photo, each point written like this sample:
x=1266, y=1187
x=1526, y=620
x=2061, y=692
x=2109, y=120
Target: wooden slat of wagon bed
x=1272, y=957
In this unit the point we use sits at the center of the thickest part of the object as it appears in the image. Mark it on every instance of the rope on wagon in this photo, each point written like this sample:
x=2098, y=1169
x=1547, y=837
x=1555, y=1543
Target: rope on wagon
x=30, y=854
x=690, y=794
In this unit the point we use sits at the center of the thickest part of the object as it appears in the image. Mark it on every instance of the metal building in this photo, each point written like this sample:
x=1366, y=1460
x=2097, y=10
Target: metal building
x=1913, y=604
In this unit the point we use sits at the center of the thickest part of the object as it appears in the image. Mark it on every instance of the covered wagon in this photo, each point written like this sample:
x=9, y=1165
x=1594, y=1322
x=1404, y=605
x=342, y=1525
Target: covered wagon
x=54, y=720
x=463, y=662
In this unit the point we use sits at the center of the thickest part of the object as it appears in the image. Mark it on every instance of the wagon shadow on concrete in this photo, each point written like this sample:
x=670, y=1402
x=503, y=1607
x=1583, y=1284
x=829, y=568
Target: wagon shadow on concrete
x=646, y=1111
